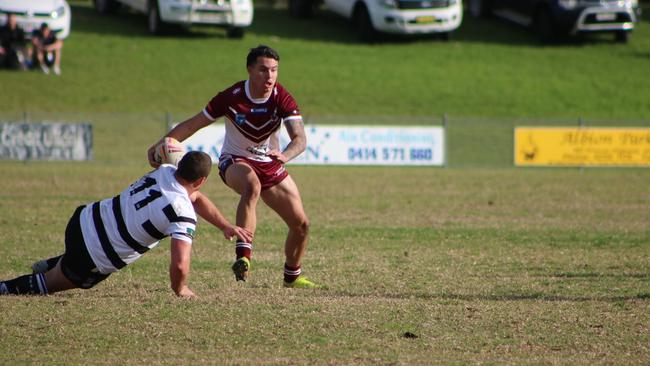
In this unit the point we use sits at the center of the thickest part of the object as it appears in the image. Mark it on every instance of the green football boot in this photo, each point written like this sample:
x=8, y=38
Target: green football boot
x=240, y=268
x=301, y=282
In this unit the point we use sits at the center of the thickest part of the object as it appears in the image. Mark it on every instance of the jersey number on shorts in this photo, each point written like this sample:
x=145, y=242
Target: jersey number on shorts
x=152, y=194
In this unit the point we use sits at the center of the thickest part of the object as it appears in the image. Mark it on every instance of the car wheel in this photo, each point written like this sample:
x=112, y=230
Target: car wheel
x=301, y=8
x=154, y=23
x=235, y=32
x=622, y=36
x=365, y=29
x=543, y=25
x=105, y=6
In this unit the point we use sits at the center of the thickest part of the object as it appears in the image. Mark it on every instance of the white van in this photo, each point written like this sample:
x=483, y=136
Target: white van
x=235, y=15
x=390, y=16
x=30, y=14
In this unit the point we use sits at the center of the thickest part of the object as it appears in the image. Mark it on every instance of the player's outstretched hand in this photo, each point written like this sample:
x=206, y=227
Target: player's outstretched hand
x=277, y=155
x=235, y=231
x=150, y=156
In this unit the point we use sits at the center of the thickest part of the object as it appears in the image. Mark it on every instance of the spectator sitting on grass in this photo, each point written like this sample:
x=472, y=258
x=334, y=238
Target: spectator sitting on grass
x=48, y=49
x=12, y=44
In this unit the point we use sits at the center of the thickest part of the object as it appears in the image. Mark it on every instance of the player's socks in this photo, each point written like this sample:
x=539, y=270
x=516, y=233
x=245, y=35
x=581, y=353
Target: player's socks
x=45, y=265
x=291, y=273
x=33, y=284
x=243, y=249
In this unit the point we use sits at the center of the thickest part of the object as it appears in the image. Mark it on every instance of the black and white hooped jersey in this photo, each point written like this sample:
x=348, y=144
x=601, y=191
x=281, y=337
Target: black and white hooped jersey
x=118, y=230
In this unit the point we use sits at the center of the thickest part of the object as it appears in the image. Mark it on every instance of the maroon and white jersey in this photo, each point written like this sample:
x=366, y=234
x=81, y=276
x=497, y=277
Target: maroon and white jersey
x=252, y=125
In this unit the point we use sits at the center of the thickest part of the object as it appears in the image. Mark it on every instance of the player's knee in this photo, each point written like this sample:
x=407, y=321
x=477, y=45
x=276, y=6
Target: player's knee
x=252, y=191
x=302, y=227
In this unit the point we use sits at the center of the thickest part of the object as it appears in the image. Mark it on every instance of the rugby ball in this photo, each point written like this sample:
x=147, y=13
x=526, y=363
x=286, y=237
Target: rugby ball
x=168, y=151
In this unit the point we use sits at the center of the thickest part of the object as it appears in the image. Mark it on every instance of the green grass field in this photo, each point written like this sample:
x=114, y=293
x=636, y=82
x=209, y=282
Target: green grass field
x=491, y=69
x=484, y=266
x=482, y=262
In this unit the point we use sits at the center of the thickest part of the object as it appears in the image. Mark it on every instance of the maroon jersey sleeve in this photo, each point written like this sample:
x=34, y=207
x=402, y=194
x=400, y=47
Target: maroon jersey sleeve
x=216, y=106
x=287, y=106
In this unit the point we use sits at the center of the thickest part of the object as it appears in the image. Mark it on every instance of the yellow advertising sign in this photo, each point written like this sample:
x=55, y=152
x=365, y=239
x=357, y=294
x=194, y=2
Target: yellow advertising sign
x=542, y=146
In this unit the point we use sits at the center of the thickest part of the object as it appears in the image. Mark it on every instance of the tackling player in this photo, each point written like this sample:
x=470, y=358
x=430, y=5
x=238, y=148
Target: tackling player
x=251, y=162
x=103, y=237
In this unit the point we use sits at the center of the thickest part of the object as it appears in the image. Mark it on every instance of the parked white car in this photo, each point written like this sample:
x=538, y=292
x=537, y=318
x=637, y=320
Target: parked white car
x=30, y=14
x=234, y=15
x=390, y=16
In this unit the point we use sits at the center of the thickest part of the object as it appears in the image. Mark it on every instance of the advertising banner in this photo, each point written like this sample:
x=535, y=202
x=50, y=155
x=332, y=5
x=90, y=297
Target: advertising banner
x=46, y=141
x=559, y=146
x=348, y=145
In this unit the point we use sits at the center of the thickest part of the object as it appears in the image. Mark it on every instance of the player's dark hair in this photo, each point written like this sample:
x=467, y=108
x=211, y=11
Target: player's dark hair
x=194, y=165
x=261, y=51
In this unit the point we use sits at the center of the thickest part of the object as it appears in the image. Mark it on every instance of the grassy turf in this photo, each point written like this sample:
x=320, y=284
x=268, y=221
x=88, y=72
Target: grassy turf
x=490, y=69
x=488, y=265
x=494, y=266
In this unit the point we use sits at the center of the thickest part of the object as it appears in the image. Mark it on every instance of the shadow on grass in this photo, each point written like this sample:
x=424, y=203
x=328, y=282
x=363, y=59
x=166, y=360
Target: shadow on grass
x=324, y=27
x=642, y=55
x=496, y=30
x=599, y=275
x=537, y=296
x=329, y=27
x=127, y=24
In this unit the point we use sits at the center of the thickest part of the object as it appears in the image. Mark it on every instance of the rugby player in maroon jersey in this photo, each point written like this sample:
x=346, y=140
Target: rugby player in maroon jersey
x=252, y=162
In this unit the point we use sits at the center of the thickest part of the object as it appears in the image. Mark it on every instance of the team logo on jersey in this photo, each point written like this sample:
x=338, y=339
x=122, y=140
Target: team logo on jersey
x=259, y=110
x=240, y=119
x=258, y=150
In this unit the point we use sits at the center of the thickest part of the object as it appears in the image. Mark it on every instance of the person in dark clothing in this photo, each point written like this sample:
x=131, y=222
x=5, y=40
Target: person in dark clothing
x=12, y=44
x=48, y=49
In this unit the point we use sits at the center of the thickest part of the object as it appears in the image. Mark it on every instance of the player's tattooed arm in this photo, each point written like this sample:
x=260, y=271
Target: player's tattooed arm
x=298, y=144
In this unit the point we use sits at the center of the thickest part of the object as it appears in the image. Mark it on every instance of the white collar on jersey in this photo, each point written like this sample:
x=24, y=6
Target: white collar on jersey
x=258, y=100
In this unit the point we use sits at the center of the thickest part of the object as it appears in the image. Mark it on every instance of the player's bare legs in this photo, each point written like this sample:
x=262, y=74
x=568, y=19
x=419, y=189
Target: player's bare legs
x=284, y=198
x=56, y=281
x=37, y=283
x=242, y=179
